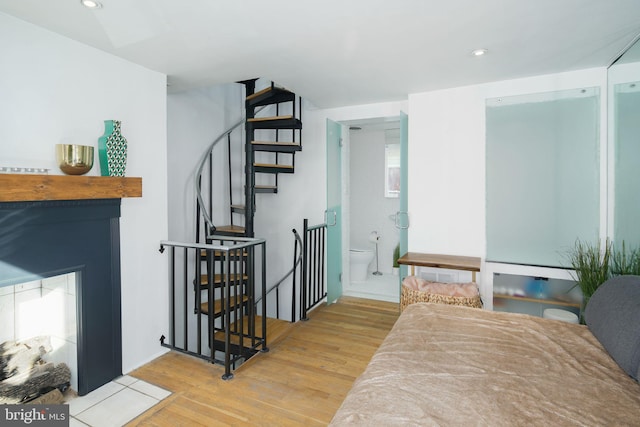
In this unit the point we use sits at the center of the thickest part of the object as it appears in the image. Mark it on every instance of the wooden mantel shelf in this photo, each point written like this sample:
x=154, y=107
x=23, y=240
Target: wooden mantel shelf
x=27, y=188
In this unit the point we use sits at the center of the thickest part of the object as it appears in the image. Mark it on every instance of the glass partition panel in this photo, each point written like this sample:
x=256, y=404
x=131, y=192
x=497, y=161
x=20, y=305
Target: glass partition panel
x=334, y=211
x=626, y=124
x=542, y=178
x=402, y=217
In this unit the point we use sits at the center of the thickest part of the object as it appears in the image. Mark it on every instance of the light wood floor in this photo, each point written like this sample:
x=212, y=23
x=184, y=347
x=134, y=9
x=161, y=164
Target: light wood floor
x=302, y=380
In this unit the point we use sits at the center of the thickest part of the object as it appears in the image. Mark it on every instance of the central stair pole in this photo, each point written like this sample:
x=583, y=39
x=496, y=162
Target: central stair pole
x=249, y=189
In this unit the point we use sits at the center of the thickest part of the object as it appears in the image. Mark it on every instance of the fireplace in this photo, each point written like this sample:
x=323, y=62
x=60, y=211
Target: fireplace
x=33, y=314
x=43, y=239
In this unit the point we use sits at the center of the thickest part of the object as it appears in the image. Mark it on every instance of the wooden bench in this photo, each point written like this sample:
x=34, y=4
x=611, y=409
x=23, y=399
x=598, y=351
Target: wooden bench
x=453, y=262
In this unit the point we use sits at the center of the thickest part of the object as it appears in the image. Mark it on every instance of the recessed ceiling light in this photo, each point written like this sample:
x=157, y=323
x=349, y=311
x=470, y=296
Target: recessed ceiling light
x=479, y=52
x=91, y=4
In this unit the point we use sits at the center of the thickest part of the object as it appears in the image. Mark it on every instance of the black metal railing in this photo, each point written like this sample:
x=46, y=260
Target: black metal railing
x=223, y=312
x=309, y=254
x=274, y=290
x=313, y=284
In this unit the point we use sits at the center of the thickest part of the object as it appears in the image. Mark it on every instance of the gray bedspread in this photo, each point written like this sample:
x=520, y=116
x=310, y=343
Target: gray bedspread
x=459, y=366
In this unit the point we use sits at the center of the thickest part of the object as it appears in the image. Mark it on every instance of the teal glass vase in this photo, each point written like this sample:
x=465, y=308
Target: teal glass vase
x=112, y=150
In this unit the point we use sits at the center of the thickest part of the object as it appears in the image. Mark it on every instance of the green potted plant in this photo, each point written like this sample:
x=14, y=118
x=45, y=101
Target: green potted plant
x=592, y=266
x=625, y=261
x=396, y=256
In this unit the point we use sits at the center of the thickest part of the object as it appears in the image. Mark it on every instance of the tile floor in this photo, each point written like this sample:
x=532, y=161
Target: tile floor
x=114, y=404
x=385, y=287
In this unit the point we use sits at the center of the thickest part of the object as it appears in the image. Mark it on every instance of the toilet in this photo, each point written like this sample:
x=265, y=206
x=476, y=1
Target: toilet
x=359, y=260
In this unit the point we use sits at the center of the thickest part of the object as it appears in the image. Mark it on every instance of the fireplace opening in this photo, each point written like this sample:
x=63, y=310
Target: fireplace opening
x=38, y=339
x=42, y=240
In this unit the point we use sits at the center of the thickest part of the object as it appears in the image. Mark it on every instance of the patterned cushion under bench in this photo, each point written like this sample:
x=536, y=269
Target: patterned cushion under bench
x=415, y=289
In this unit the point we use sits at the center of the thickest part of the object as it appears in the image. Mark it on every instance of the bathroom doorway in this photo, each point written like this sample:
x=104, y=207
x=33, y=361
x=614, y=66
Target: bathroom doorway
x=371, y=205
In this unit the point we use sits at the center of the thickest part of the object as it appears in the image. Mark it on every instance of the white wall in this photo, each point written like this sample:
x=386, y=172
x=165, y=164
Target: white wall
x=447, y=156
x=447, y=163
x=195, y=118
x=447, y=160
x=56, y=90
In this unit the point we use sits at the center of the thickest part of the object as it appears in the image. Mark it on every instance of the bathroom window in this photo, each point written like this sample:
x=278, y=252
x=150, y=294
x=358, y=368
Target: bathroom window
x=392, y=170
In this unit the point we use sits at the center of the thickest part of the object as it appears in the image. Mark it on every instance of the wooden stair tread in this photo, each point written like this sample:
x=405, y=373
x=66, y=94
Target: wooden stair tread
x=217, y=305
x=219, y=254
x=268, y=165
x=276, y=143
x=266, y=189
x=274, y=91
x=221, y=278
x=276, y=146
x=236, y=229
x=239, y=207
x=288, y=122
x=265, y=119
x=276, y=329
x=258, y=93
x=269, y=96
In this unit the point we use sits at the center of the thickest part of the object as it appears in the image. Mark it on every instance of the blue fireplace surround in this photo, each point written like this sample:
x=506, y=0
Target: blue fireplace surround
x=49, y=238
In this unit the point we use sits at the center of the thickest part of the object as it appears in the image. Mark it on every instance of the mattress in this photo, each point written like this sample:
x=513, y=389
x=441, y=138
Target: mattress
x=452, y=365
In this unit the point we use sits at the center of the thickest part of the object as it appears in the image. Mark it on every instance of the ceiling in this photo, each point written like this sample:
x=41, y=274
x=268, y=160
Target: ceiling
x=336, y=52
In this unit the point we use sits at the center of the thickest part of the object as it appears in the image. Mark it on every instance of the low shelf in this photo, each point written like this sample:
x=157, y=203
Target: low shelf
x=526, y=292
x=536, y=300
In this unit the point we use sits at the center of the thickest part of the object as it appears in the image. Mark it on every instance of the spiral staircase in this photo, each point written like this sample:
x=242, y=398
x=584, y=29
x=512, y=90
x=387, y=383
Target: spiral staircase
x=272, y=137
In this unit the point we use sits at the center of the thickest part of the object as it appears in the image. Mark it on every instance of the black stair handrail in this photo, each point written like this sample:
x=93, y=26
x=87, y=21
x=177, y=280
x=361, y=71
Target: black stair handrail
x=296, y=263
x=201, y=164
x=203, y=161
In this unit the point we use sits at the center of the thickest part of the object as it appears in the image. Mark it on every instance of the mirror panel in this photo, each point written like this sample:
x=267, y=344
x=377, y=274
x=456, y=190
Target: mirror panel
x=624, y=119
x=542, y=175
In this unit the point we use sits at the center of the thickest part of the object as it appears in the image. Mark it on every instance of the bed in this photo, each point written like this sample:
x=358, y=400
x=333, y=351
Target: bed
x=452, y=365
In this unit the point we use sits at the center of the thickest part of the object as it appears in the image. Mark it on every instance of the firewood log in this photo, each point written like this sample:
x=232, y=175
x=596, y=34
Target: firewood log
x=19, y=357
x=42, y=378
